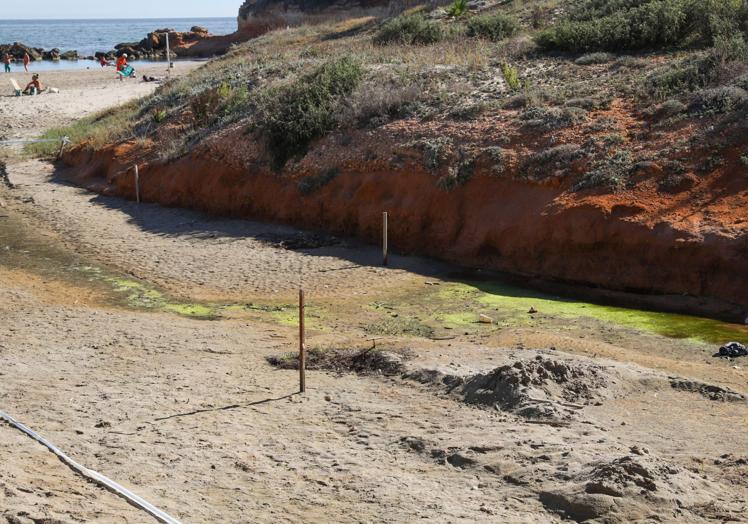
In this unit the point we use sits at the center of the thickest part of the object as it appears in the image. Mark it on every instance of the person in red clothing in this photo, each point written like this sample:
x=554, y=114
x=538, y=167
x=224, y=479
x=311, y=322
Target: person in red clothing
x=26, y=60
x=121, y=65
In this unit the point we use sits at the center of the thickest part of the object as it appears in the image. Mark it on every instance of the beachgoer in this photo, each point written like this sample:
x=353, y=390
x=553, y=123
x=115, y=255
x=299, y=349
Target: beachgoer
x=103, y=62
x=121, y=65
x=7, y=59
x=34, y=87
x=26, y=61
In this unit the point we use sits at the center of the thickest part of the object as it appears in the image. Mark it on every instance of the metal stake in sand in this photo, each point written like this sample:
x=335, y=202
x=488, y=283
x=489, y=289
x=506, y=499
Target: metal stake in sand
x=385, y=246
x=137, y=184
x=63, y=142
x=168, y=56
x=302, y=348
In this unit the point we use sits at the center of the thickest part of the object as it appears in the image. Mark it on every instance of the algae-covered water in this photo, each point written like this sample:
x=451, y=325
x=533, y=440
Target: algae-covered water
x=511, y=304
x=450, y=305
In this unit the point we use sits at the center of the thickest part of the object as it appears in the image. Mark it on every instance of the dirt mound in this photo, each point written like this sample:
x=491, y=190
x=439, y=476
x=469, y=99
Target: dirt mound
x=628, y=488
x=707, y=390
x=368, y=361
x=535, y=388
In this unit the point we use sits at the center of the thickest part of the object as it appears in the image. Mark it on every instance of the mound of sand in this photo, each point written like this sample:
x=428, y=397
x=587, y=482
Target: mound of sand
x=627, y=488
x=540, y=387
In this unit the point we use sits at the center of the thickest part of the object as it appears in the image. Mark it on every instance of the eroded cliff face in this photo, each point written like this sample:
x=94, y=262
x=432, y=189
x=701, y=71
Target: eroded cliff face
x=635, y=241
x=259, y=16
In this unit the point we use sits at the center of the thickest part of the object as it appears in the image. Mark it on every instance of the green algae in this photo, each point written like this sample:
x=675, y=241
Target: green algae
x=510, y=304
x=141, y=296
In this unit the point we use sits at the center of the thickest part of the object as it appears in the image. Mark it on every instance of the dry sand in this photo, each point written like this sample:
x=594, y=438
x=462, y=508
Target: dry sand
x=189, y=414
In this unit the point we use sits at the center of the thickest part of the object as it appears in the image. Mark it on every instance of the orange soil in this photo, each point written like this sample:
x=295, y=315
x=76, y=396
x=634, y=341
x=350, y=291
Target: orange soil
x=694, y=242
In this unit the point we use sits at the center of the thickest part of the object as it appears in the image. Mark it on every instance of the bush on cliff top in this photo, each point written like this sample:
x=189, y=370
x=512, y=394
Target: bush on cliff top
x=410, y=30
x=493, y=27
x=614, y=25
x=292, y=116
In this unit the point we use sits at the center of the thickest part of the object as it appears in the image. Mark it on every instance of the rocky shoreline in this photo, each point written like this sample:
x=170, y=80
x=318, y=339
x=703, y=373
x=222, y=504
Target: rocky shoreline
x=152, y=47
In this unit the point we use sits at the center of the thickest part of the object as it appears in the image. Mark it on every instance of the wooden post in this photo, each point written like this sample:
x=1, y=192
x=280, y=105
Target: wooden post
x=385, y=246
x=63, y=141
x=302, y=341
x=137, y=184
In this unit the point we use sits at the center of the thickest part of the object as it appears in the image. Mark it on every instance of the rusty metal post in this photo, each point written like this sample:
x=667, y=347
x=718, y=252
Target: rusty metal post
x=302, y=344
x=385, y=240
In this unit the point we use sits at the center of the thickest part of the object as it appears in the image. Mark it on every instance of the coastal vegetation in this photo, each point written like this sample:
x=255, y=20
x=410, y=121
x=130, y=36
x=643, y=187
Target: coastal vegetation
x=539, y=67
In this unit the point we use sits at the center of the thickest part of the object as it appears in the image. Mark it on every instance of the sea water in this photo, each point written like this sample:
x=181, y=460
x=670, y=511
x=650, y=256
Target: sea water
x=89, y=36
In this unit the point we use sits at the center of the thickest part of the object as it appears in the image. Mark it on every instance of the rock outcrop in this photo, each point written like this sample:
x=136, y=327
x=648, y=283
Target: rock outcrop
x=154, y=44
x=17, y=51
x=260, y=16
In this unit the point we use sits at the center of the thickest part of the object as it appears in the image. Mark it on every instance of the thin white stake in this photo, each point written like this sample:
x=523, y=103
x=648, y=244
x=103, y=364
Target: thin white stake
x=137, y=184
x=385, y=240
x=168, y=56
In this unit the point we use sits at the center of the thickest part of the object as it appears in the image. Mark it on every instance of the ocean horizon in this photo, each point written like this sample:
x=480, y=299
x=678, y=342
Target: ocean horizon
x=87, y=36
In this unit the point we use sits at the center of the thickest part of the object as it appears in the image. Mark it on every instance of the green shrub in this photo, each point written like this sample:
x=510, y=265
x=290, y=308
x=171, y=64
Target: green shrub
x=458, y=8
x=668, y=109
x=511, y=75
x=744, y=161
x=236, y=102
x=159, y=115
x=730, y=47
x=611, y=172
x=722, y=99
x=741, y=81
x=410, y=30
x=435, y=151
x=493, y=27
x=615, y=25
x=294, y=115
x=549, y=118
x=684, y=76
x=544, y=164
x=458, y=175
x=205, y=105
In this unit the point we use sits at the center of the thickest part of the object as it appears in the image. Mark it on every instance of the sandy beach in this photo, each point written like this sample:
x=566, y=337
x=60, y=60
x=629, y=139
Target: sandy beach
x=189, y=414
x=81, y=93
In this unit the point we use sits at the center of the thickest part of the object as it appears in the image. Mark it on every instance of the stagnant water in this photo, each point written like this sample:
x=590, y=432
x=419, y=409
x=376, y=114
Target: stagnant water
x=22, y=247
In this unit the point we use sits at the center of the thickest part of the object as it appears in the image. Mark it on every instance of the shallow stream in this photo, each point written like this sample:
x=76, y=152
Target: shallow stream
x=455, y=303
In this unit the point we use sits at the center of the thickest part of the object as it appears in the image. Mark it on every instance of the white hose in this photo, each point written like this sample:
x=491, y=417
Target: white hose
x=94, y=476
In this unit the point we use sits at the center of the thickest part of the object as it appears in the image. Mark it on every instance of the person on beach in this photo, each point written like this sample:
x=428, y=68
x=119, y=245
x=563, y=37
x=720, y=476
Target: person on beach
x=7, y=59
x=121, y=65
x=26, y=61
x=103, y=62
x=34, y=87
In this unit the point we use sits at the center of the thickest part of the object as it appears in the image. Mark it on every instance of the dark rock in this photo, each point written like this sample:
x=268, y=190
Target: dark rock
x=733, y=349
x=52, y=54
x=69, y=55
x=707, y=390
x=460, y=461
x=17, y=50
